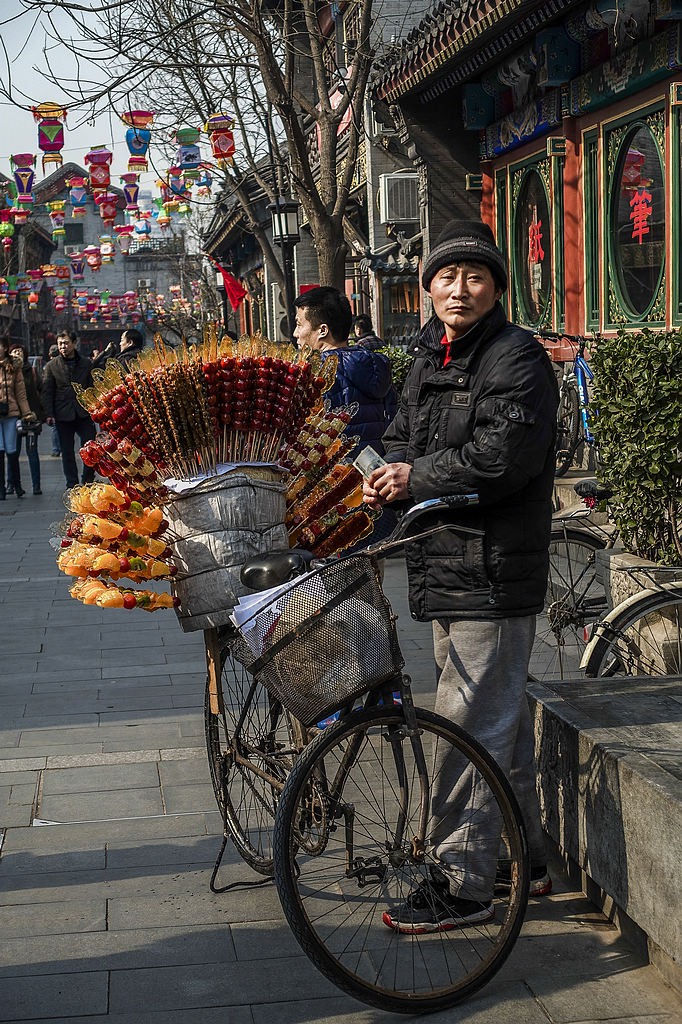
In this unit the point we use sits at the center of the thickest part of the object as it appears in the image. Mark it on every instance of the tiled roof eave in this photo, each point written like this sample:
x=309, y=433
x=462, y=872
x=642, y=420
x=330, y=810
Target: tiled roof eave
x=412, y=69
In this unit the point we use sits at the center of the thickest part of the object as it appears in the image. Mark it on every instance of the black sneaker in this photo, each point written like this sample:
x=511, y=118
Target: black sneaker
x=540, y=882
x=432, y=908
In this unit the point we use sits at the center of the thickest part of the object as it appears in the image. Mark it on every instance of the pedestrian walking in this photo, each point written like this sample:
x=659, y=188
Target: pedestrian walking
x=364, y=334
x=53, y=352
x=323, y=321
x=62, y=407
x=30, y=431
x=478, y=414
x=13, y=405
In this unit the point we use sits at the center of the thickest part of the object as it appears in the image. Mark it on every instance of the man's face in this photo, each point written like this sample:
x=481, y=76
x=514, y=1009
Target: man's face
x=307, y=335
x=66, y=347
x=462, y=293
x=18, y=353
x=124, y=343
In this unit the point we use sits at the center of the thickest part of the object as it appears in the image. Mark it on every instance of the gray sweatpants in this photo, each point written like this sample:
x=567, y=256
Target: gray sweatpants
x=482, y=667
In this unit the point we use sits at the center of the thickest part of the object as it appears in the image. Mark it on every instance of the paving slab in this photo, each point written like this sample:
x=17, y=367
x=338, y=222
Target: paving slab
x=60, y=994
x=111, y=950
x=572, y=998
x=53, y=918
x=100, y=778
x=207, y=1015
x=97, y=806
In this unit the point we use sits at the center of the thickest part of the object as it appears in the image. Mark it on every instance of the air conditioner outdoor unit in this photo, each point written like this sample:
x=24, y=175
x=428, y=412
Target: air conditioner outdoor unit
x=144, y=282
x=398, y=198
x=68, y=249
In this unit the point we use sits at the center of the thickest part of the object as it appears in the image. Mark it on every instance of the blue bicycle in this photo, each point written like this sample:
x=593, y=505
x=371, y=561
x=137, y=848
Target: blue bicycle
x=573, y=415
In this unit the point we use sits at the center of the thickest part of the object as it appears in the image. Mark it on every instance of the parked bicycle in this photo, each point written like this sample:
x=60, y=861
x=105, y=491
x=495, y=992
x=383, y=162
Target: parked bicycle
x=357, y=817
x=573, y=414
x=577, y=632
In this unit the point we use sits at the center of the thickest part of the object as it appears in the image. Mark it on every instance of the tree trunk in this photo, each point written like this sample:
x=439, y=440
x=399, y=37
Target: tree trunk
x=331, y=252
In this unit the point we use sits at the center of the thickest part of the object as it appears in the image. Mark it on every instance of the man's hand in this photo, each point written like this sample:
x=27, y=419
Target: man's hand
x=388, y=483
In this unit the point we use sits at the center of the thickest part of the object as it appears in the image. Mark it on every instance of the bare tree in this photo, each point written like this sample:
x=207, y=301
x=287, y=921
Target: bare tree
x=266, y=62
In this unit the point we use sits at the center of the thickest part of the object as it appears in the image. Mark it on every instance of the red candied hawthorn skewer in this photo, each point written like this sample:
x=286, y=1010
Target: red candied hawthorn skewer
x=212, y=378
x=228, y=377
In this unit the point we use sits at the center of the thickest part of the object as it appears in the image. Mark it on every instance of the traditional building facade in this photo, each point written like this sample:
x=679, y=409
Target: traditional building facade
x=559, y=123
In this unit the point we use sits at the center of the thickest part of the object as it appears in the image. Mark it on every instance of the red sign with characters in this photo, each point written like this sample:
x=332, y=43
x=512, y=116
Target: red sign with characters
x=641, y=211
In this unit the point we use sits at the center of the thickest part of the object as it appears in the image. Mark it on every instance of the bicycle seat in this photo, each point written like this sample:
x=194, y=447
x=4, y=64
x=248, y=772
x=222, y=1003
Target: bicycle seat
x=265, y=571
x=591, y=488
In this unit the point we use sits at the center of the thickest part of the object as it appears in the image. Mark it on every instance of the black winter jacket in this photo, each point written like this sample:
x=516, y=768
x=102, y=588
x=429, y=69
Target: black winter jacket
x=484, y=424
x=59, y=398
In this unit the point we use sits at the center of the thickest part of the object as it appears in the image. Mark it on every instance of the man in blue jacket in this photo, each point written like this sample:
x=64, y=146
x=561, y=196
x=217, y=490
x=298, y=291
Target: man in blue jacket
x=323, y=321
x=477, y=415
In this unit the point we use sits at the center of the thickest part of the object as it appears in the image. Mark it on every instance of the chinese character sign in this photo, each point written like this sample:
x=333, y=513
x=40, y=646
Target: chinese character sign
x=536, y=252
x=642, y=209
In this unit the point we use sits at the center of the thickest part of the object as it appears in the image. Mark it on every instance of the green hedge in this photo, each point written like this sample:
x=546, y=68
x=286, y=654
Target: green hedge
x=400, y=364
x=638, y=392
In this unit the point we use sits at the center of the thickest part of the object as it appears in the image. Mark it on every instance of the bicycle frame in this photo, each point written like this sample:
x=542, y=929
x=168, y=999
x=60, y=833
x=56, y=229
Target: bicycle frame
x=583, y=374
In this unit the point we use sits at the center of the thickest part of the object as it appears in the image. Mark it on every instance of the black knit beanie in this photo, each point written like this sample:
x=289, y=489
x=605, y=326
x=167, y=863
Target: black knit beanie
x=463, y=240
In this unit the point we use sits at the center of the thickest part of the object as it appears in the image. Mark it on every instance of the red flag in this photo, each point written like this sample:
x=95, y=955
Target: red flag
x=235, y=292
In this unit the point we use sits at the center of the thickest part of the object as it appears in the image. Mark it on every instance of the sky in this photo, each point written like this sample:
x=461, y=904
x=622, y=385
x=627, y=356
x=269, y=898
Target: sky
x=18, y=130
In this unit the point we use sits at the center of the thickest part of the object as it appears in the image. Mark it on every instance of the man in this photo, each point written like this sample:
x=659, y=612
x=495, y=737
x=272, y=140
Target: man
x=364, y=334
x=132, y=343
x=323, y=320
x=62, y=407
x=477, y=415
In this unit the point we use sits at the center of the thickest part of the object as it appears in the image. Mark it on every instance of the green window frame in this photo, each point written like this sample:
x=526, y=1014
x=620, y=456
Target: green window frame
x=592, y=206
x=501, y=233
x=617, y=311
x=542, y=165
x=676, y=206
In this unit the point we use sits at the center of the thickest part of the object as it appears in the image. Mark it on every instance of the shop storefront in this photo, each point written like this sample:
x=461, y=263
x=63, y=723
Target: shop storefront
x=579, y=161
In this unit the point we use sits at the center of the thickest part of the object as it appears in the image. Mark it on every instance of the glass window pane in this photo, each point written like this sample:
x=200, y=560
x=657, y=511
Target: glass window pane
x=638, y=220
x=533, y=248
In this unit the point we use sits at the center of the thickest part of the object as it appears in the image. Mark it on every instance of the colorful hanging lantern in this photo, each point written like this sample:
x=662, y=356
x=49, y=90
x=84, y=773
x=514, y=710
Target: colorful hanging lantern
x=107, y=202
x=51, y=118
x=219, y=131
x=163, y=220
x=204, y=182
x=93, y=257
x=138, y=137
x=20, y=215
x=98, y=160
x=142, y=226
x=6, y=228
x=23, y=170
x=35, y=275
x=63, y=271
x=33, y=299
x=78, y=196
x=131, y=191
x=49, y=274
x=23, y=283
x=57, y=214
x=124, y=236
x=187, y=155
x=59, y=300
x=77, y=265
x=106, y=248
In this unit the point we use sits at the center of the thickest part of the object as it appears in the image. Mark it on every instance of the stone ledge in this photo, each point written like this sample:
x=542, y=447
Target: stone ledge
x=609, y=758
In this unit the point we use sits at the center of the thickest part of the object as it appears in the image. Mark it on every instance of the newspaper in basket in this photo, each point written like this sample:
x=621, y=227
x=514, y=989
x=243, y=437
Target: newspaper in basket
x=323, y=640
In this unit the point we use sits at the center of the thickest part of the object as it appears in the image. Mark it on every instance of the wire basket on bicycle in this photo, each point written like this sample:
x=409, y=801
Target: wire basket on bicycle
x=323, y=641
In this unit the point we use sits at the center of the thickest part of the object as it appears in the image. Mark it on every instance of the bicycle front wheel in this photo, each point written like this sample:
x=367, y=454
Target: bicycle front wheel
x=642, y=639
x=252, y=745
x=568, y=416
x=575, y=597
x=347, y=851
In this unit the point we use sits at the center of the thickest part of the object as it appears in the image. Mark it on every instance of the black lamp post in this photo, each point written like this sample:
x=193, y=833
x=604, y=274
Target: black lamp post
x=285, y=233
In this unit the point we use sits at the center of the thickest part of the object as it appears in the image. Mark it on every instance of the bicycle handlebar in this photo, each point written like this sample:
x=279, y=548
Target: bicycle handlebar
x=447, y=501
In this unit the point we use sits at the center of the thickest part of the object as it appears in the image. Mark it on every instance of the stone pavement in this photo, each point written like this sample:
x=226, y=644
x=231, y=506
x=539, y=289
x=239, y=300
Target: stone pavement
x=109, y=832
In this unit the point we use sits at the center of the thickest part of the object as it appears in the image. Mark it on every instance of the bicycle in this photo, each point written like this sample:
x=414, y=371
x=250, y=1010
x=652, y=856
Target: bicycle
x=642, y=635
x=574, y=401
x=357, y=820
x=578, y=633
x=575, y=596
x=251, y=740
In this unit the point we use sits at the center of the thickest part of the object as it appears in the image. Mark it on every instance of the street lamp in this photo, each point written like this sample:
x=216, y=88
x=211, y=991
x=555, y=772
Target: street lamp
x=222, y=291
x=285, y=233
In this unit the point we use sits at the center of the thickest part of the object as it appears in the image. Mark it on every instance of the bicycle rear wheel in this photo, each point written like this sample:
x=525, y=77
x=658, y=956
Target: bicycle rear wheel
x=575, y=598
x=363, y=772
x=568, y=420
x=643, y=639
x=253, y=742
